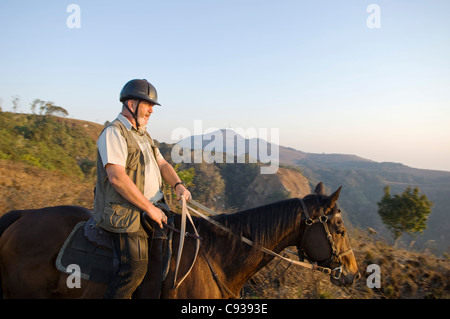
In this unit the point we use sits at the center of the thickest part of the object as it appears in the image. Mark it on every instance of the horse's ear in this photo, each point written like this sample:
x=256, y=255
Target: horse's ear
x=332, y=199
x=319, y=190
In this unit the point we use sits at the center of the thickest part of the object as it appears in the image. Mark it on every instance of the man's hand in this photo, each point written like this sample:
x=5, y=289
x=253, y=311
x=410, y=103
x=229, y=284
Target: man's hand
x=157, y=215
x=181, y=190
x=125, y=187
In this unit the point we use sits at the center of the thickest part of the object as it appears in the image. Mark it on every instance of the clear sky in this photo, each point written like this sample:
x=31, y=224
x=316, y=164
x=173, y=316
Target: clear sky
x=312, y=69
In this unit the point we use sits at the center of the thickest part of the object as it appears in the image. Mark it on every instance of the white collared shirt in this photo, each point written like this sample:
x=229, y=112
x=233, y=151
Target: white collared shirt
x=113, y=149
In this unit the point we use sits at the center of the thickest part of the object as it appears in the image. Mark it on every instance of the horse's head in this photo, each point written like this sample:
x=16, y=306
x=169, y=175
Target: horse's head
x=324, y=239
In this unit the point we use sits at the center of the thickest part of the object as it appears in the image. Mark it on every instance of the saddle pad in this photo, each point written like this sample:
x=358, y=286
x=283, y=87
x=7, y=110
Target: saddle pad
x=96, y=262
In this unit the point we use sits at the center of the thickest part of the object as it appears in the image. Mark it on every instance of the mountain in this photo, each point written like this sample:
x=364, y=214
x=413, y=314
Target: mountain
x=232, y=142
x=363, y=181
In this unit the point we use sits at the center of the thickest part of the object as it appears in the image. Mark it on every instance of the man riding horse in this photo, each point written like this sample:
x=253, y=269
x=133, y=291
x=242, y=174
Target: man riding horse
x=129, y=173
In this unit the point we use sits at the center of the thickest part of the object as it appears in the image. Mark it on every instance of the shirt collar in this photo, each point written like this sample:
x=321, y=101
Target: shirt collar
x=125, y=121
x=128, y=124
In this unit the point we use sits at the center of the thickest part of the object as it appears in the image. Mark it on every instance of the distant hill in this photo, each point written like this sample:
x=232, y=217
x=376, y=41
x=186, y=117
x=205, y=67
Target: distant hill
x=234, y=143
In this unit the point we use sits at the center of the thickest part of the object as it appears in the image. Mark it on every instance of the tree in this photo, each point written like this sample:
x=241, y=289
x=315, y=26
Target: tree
x=49, y=108
x=52, y=109
x=407, y=212
x=237, y=178
x=15, y=103
x=209, y=186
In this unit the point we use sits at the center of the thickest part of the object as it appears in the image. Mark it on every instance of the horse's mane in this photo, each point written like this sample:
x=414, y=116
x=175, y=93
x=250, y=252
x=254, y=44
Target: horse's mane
x=260, y=224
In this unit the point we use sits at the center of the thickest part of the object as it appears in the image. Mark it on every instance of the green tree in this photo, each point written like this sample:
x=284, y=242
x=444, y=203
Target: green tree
x=48, y=108
x=237, y=178
x=404, y=213
x=209, y=186
x=55, y=110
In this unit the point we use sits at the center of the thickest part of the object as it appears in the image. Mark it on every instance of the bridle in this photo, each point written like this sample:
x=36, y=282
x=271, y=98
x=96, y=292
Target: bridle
x=323, y=218
x=335, y=256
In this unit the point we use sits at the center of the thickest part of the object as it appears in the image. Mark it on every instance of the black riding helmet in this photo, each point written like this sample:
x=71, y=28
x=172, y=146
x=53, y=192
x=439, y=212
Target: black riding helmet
x=138, y=90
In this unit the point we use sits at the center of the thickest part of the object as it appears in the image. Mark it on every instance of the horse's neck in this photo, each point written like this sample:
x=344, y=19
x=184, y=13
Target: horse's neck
x=251, y=260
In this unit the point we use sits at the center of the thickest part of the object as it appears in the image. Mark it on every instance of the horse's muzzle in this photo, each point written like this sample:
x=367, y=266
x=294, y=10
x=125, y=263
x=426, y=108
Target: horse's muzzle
x=338, y=277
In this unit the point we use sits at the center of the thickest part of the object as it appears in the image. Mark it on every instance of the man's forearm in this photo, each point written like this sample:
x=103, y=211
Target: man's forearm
x=171, y=177
x=168, y=173
x=125, y=187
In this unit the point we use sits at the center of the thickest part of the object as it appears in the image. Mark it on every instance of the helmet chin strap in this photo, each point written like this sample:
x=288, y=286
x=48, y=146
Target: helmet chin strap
x=135, y=113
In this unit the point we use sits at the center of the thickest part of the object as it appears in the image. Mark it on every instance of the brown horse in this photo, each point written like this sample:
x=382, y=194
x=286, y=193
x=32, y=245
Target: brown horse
x=30, y=241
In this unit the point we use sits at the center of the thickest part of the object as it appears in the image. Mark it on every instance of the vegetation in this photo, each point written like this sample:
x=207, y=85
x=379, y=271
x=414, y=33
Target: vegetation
x=407, y=212
x=48, y=108
x=43, y=141
x=238, y=178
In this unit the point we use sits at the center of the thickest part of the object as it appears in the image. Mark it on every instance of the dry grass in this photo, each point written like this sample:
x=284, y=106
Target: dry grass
x=23, y=187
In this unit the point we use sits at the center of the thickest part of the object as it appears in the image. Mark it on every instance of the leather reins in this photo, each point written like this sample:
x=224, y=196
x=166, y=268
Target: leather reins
x=323, y=218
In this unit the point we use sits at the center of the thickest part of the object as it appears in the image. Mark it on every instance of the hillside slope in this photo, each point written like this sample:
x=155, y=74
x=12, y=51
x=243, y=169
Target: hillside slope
x=49, y=142
x=268, y=188
x=23, y=186
x=404, y=275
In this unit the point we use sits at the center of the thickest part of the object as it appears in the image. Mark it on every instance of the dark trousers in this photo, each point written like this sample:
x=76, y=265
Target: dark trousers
x=132, y=251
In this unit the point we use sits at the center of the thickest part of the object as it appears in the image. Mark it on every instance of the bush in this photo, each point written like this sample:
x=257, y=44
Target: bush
x=43, y=141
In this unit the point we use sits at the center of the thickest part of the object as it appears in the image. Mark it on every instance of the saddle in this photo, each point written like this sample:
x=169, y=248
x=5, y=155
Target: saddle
x=92, y=249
